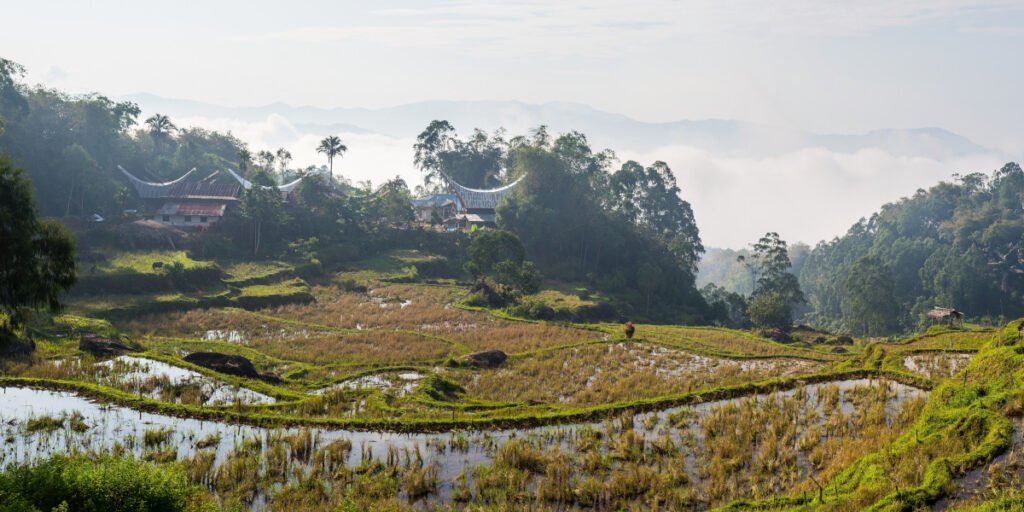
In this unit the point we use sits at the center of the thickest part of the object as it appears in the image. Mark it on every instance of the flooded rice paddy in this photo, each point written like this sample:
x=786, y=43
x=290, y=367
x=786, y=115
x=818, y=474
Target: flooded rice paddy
x=396, y=383
x=162, y=381
x=937, y=365
x=791, y=428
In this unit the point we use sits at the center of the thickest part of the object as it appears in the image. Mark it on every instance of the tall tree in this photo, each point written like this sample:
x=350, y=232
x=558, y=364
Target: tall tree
x=776, y=289
x=868, y=303
x=266, y=161
x=13, y=104
x=284, y=157
x=160, y=128
x=37, y=263
x=431, y=144
x=332, y=147
x=262, y=205
x=244, y=160
x=477, y=162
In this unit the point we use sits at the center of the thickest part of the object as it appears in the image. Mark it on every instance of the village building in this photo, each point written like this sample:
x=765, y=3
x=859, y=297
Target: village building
x=435, y=208
x=463, y=207
x=287, y=190
x=185, y=203
x=948, y=315
x=194, y=203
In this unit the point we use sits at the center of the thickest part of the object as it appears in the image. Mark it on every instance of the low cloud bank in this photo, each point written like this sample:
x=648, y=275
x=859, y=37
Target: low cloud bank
x=370, y=156
x=806, y=195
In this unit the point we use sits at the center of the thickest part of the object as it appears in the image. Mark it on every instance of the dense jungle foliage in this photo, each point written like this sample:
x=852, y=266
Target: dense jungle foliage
x=956, y=244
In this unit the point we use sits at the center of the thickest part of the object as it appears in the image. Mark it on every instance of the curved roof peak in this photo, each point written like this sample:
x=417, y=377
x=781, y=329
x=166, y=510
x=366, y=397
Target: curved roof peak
x=136, y=181
x=246, y=184
x=480, y=199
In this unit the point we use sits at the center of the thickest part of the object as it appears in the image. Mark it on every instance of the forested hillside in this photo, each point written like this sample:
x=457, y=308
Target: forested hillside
x=70, y=146
x=619, y=231
x=956, y=244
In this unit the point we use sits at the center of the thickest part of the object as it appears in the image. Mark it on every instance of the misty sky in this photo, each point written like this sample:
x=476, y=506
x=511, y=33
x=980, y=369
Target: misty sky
x=817, y=65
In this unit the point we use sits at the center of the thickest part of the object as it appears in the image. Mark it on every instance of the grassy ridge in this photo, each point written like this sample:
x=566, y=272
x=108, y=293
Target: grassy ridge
x=964, y=425
x=550, y=417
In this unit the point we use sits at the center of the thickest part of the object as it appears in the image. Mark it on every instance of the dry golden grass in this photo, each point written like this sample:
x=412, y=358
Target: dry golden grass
x=431, y=310
x=594, y=374
x=953, y=340
x=759, y=449
x=723, y=341
x=377, y=347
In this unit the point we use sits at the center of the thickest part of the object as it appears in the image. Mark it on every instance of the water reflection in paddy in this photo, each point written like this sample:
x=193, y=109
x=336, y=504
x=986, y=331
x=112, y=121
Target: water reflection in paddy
x=107, y=426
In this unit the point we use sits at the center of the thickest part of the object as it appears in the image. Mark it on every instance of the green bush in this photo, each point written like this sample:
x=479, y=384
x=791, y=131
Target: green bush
x=93, y=485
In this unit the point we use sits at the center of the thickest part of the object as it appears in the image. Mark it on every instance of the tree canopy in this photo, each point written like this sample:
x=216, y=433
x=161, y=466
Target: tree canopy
x=958, y=244
x=581, y=223
x=37, y=263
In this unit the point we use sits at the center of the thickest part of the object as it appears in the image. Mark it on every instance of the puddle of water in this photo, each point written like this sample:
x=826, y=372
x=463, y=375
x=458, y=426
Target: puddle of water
x=134, y=372
x=224, y=335
x=937, y=364
x=400, y=384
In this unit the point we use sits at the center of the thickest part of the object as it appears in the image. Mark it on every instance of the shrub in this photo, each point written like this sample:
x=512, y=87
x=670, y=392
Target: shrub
x=94, y=485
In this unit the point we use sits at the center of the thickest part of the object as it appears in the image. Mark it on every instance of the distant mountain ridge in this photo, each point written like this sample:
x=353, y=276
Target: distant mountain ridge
x=605, y=129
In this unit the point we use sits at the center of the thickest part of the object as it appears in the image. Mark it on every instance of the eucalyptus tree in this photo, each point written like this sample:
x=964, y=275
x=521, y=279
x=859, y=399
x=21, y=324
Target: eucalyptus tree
x=284, y=157
x=266, y=160
x=478, y=161
x=776, y=288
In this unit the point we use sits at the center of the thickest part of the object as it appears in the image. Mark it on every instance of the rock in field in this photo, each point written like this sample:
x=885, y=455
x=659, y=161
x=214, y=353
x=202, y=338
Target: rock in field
x=224, y=363
x=486, y=359
x=100, y=346
x=16, y=347
x=842, y=340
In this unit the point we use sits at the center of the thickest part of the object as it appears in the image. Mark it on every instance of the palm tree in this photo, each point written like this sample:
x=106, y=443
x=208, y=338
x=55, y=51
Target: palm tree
x=160, y=127
x=244, y=159
x=332, y=147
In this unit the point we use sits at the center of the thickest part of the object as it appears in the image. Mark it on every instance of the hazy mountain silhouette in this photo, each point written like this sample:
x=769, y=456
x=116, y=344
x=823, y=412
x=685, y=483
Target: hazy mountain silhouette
x=604, y=129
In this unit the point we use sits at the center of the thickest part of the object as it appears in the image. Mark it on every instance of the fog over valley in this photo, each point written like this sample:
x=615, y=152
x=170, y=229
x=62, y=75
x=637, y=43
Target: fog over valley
x=807, y=186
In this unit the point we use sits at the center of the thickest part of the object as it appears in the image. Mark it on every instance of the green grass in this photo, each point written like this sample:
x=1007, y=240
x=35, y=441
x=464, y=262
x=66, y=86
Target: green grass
x=246, y=272
x=947, y=339
x=74, y=324
x=283, y=289
x=725, y=342
x=964, y=425
x=394, y=266
x=142, y=262
x=102, y=484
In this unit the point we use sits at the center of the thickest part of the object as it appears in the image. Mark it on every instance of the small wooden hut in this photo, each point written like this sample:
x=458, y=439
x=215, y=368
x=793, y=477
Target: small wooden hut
x=950, y=315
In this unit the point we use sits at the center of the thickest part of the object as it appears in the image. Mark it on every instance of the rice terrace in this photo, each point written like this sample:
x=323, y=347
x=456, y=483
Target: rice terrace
x=363, y=394
x=703, y=257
